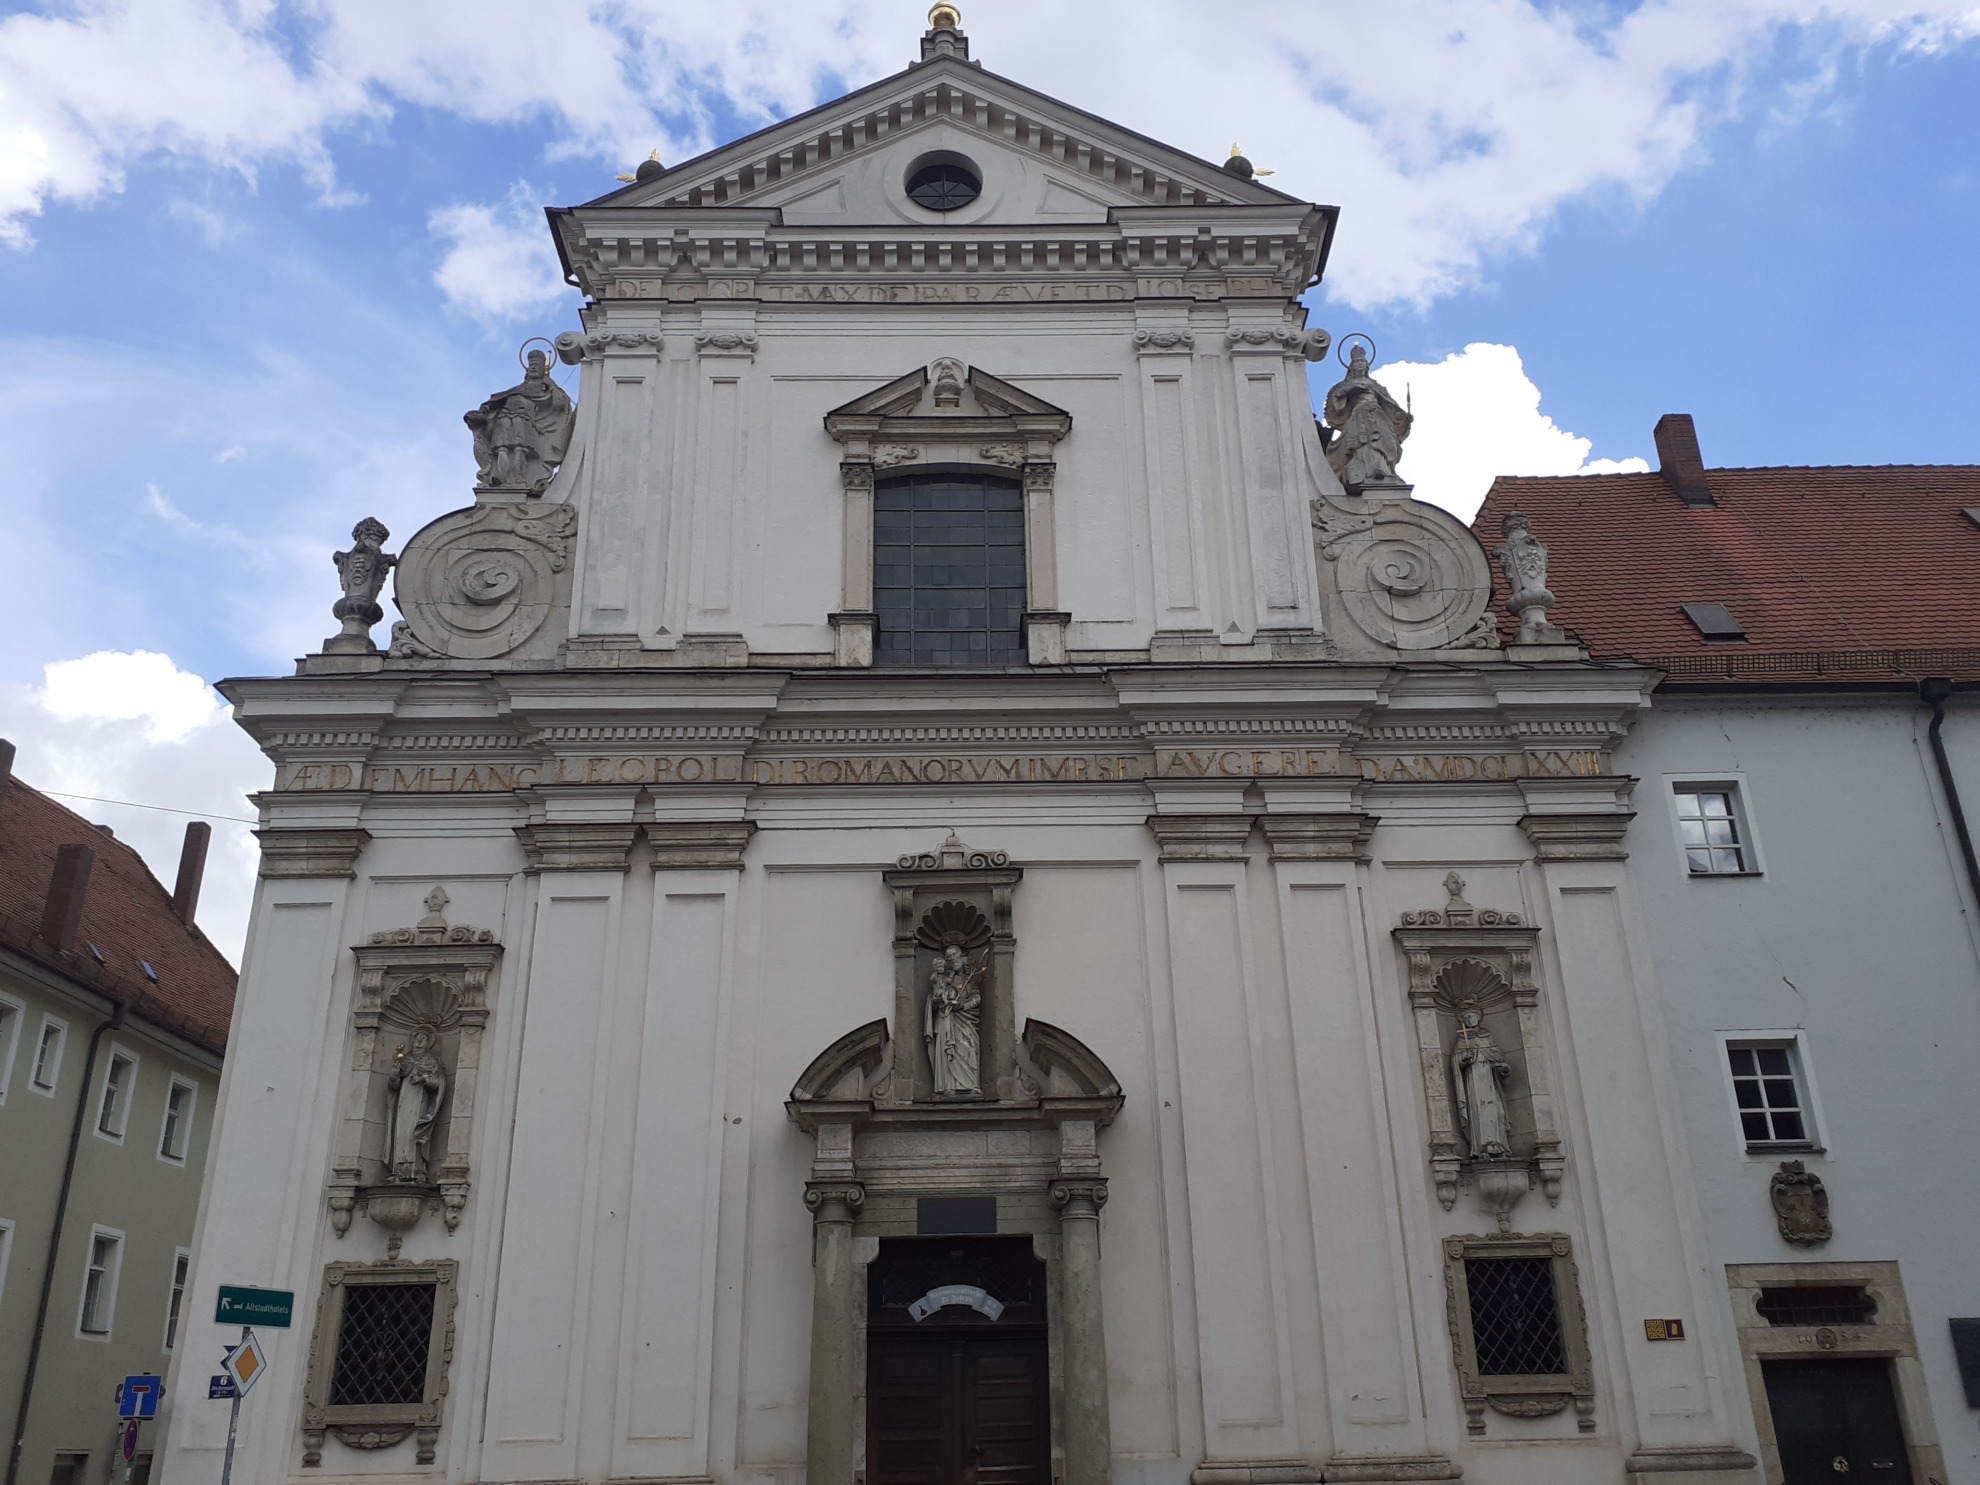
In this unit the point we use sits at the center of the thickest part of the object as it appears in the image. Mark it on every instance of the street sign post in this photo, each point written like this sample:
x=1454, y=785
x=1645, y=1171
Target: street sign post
x=243, y=1364
x=138, y=1397
x=273, y=1309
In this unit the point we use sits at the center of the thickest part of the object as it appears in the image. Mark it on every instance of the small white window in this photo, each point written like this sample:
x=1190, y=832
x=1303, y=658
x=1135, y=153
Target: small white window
x=1772, y=1097
x=1712, y=830
x=99, y=1295
x=176, y=1133
x=48, y=1054
x=6, y=1252
x=113, y=1110
x=181, y=1261
x=12, y=1012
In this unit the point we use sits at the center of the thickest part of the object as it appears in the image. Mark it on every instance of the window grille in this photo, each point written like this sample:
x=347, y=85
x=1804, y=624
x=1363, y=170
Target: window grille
x=1515, y=1317
x=948, y=571
x=1817, y=1304
x=1771, y=1110
x=382, y=1345
x=1712, y=832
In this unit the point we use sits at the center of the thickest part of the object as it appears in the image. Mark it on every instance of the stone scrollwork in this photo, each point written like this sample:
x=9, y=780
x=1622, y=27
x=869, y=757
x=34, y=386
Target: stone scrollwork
x=482, y=583
x=887, y=455
x=1164, y=340
x=953, y=855
x=1010, y=455
x=1403, y=574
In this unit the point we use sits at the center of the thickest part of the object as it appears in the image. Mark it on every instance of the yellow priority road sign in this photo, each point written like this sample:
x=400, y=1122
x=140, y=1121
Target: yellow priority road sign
x=245, y=1363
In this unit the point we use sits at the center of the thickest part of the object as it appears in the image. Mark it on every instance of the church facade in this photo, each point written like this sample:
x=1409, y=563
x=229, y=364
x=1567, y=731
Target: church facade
x=936, y=885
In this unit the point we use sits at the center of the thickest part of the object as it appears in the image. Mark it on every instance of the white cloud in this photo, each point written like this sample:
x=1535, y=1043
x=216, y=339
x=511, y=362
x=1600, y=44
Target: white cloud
x=128, y=686
x=1478, y=416
x=499, y=261
x=1451, y=132
x=133, y=726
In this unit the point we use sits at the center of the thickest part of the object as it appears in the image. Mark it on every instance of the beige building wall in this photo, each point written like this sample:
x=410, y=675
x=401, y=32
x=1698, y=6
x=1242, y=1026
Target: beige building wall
x=124, y=1185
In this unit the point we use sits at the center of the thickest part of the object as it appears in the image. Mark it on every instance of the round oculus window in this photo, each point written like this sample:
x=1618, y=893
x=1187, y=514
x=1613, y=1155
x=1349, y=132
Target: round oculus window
x=944, y=185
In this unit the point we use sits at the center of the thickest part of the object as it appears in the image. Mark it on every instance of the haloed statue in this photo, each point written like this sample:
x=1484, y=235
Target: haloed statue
x=522, y=434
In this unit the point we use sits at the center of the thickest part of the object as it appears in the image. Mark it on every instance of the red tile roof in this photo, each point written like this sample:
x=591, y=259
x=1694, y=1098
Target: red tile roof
x=127, y=913
x=1834, y=573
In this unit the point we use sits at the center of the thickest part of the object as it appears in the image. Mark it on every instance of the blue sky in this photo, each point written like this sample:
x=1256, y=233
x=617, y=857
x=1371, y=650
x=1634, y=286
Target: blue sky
x=257, y=257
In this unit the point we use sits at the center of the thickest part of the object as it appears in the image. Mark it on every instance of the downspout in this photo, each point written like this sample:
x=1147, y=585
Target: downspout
x=1935, y=692
x=115, y=1023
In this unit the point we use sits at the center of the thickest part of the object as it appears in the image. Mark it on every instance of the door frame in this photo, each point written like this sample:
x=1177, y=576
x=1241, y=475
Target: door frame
x=1888, y=1336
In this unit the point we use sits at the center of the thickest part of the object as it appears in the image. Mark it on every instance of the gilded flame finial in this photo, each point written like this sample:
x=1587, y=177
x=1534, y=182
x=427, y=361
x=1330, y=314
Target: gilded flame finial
x=944, y=18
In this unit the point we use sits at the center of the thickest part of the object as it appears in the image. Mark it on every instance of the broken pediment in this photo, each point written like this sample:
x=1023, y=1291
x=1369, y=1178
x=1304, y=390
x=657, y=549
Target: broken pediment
x=945, y=401
x=1035, y=156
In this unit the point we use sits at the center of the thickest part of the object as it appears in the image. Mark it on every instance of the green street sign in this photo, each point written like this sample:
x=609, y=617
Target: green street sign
x=274, y=1308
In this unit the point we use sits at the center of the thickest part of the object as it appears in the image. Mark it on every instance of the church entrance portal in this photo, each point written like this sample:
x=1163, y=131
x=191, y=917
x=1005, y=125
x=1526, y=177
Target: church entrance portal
x=956, y=1364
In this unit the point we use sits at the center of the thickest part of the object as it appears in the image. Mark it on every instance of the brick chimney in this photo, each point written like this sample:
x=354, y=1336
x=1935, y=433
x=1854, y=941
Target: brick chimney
x=1679, y=461
x=63, y=913
x=192, y=870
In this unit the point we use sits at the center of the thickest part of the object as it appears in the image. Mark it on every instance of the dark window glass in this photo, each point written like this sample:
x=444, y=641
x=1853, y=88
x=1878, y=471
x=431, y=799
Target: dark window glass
x=382, y=1345
x=1515, y=1321
x=944, y=186
x=948, y=571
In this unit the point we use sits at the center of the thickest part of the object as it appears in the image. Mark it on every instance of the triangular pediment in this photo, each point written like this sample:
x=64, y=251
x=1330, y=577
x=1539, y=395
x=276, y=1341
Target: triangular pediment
x=1041, y=159
x=946, y=389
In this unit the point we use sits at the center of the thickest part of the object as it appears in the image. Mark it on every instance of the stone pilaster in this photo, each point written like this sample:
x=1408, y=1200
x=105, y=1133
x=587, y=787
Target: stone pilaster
x=834, y=1332
x=1082, y=1331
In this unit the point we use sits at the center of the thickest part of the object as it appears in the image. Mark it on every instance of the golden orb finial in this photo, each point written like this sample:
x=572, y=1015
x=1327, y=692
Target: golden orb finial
x=944, y=17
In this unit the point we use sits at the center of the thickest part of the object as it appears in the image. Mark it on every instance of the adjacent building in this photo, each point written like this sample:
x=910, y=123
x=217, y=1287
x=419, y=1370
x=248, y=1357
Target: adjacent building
x=114, y=1011
x=1804, y=860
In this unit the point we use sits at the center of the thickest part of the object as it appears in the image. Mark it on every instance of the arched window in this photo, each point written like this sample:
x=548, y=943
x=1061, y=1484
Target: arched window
x=948, y=570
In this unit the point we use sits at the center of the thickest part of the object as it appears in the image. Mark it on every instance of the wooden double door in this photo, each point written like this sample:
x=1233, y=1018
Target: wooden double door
x=966, y=1406
x=1836, y=1422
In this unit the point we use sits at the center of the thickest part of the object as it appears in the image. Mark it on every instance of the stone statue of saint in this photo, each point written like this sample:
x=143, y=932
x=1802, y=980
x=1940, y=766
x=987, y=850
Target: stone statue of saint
x=1370, y=424
x=418, y=1084
x=1481, y=1071
x=522, y=434
x=951, y=1022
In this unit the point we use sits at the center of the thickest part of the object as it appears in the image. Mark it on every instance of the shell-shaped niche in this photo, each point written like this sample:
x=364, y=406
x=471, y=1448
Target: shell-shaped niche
x=955, y=922
x=478, y=584
x=1469, y=982
x=426, y=1001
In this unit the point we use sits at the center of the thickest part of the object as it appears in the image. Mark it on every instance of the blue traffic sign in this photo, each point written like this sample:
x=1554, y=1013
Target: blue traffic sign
x=222, y=1386
x=138, y=1397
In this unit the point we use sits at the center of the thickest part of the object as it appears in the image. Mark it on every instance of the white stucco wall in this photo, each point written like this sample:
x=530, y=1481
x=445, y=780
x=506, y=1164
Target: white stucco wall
x=1859, y=934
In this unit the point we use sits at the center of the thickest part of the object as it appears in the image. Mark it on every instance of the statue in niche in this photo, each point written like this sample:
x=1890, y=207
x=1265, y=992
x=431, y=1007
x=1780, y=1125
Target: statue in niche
x=1370, y=426
x=1481, y=1071
x=522, y=434
x=952, y=1022
x=418, y=1084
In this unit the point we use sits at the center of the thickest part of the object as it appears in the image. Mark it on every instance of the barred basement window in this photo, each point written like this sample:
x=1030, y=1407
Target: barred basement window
x=378, y=1359
x=1517, y=1330
x=1817, y=1304
x=382, y=1345
x=1515, y=1319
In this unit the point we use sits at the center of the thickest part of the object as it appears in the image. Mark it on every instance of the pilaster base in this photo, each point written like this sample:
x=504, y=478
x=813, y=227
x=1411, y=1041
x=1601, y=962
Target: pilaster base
x=1255, y=1472
x=1389, y=1467
x=1732, y=1464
